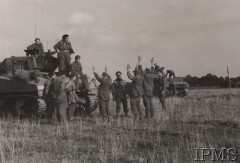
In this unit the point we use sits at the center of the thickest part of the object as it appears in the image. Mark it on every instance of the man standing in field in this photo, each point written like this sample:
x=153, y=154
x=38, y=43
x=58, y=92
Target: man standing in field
x=104, y=94
x=163, y=88
x=48, y=97
x=120, y=94
x=148, y=77
x=72, y=97
x=136, y=91
x=64, y=50
x=60, y=98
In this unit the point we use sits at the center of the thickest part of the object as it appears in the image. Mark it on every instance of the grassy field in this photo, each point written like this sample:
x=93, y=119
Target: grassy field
x=205, y=118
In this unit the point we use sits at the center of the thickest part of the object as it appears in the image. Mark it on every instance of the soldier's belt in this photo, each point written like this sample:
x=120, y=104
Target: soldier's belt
x=64, y=51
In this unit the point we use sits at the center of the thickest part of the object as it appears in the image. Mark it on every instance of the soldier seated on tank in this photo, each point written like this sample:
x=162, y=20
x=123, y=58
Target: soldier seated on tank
x=34, y=50
x=171, y=73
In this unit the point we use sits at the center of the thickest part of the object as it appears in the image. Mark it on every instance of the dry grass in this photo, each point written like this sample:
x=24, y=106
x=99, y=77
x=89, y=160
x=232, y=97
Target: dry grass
x=205, y=118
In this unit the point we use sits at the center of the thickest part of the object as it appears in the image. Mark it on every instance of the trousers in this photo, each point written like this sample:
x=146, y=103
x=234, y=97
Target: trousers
x=136, y=106
x=104, y=108
x=49, y=108
x=71, y=109
x=148, y=103
x=123, y=101
x=64, y=62
x=60, y=112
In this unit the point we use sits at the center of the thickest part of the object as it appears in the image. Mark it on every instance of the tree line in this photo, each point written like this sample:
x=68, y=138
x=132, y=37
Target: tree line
x=211, y=80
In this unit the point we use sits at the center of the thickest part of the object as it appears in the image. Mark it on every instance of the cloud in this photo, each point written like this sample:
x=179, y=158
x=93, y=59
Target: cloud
x=80, y=18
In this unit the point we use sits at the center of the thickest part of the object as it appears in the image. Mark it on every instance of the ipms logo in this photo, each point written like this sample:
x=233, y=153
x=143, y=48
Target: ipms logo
x=214, y=154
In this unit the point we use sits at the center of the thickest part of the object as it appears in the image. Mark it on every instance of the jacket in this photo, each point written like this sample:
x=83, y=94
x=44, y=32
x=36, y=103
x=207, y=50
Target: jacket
x=137, y=85
x=119, y=88
x=59, y=89
x=104, y=87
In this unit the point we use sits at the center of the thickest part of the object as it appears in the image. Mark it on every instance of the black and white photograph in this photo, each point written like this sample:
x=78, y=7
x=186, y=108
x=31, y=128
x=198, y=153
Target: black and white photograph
x=119, y=81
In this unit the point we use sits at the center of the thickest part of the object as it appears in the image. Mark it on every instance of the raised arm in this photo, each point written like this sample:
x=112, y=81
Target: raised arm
x=96, y=75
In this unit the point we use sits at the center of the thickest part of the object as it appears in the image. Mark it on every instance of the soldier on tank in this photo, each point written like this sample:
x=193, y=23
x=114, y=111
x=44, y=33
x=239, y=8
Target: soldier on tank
x=104, y=94
x=64, y=50
x=48, y=97
x=136, y=92
x=171, y=73
x=120, y=94
x=76, y=69
x=60, y=98
x=37, y=49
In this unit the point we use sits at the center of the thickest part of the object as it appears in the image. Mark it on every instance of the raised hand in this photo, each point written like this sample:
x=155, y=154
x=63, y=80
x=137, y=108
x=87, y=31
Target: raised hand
x=152, y=60
x=128, y=67
x=106, y=69
x=139, y=59
x=93, y=68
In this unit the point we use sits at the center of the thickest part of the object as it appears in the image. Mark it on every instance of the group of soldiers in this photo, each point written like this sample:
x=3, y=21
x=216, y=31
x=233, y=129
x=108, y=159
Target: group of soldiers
x=60, y=91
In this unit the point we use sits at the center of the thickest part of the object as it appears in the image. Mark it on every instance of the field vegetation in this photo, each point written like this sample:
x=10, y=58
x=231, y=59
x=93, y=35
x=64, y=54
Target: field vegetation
x=205, y=118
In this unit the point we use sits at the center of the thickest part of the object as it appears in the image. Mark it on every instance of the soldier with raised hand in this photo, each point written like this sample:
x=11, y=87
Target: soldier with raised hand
x=120, y=94
x=148, y=86
x=136, y=91
x=104, y=93
x=64, y=50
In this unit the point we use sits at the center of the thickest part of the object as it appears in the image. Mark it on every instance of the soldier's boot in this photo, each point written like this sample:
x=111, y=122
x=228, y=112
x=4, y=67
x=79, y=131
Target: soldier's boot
x=164, y=106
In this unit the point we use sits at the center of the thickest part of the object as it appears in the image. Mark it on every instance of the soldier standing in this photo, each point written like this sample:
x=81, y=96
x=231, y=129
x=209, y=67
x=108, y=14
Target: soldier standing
x=148, y=86
x=136, y=91
x=64, y=50
x=120, y=94
x=48, y=96
x=163, y=89
x=71, y=96
x=104, y=93
x=38, y=50
x=60, y=98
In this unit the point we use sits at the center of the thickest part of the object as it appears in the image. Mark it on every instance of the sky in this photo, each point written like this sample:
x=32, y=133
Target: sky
x=188, y=36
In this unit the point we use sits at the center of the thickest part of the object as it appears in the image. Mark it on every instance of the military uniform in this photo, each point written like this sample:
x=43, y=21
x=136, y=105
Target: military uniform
x=38, y=47
x=104, y=95
x=60, y=99
x=48, y=97
x=163, y=89
x=120, y=95
x=72, y=98
x=148, y=94
x=65, y=50
x=171, y=73
x=135, y=94
x=76, y=69
x=40, y=51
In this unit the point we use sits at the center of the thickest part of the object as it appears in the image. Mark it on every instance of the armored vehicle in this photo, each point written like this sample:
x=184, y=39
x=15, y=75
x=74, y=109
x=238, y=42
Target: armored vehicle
x=175, y=87
x=21, y=95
